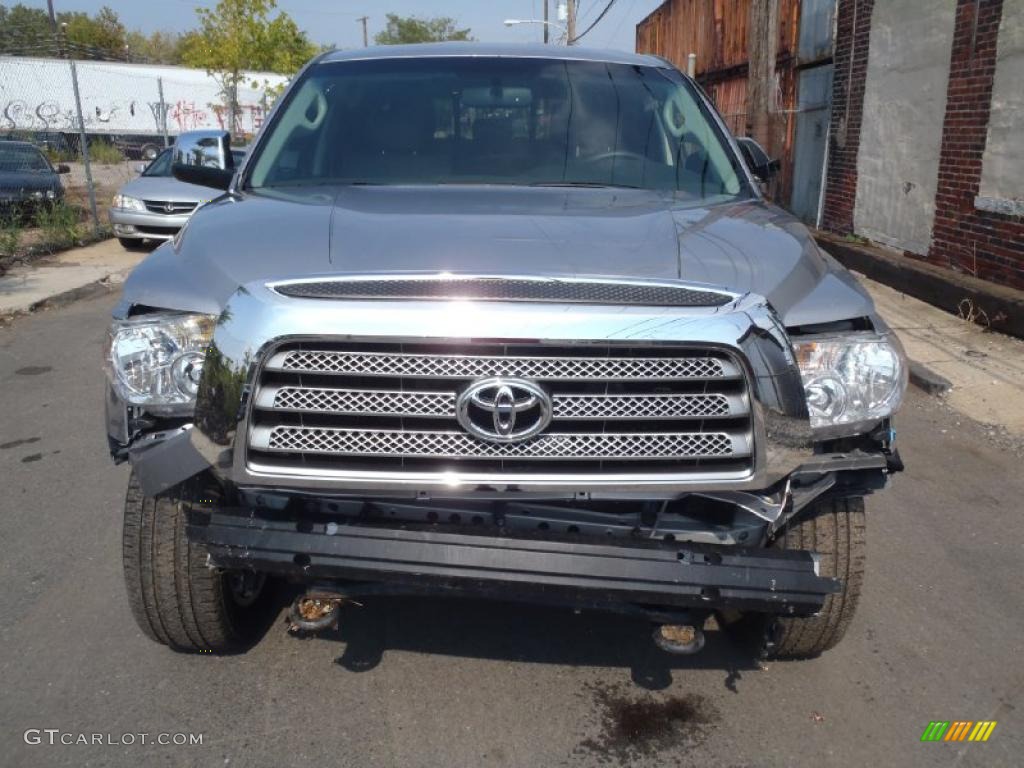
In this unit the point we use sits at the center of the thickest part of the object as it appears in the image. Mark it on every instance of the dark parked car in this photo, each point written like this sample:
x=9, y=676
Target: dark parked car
x=496, y=321
x=27, y=179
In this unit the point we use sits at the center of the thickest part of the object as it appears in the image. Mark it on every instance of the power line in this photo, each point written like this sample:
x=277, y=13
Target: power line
x=595, y=22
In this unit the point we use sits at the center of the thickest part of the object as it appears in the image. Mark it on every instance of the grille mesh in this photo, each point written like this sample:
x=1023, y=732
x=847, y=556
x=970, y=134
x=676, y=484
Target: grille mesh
x=443, y=404
x=440, y=366
x=391, y=407
x=461, y=445
x=502, y=289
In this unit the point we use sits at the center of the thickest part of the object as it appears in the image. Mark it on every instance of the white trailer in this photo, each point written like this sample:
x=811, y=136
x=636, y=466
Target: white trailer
x=122, y=99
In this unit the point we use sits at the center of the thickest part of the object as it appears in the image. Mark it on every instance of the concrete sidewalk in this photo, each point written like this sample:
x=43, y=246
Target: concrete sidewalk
x=986, y=369
x=64, y=275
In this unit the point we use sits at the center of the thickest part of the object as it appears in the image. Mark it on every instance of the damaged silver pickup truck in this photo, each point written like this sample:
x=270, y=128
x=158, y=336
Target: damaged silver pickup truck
x=502, y=322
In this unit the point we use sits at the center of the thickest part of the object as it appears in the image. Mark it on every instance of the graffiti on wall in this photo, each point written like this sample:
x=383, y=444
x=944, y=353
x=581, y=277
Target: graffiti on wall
x=119, y=115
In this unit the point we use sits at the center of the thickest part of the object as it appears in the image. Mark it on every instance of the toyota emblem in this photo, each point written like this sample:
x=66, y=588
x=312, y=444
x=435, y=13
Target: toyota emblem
x=503, y=410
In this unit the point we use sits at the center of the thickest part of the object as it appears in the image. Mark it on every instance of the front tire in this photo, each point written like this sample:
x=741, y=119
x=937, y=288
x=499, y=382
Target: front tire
x=835, y=529
x=175, y=597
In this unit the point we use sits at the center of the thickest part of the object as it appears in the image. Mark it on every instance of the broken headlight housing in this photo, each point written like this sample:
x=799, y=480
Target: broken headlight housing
x=155, y=361
x=851, y=380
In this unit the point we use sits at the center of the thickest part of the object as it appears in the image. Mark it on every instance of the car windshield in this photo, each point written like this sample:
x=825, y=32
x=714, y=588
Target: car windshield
x=15, y=159
x=497, y=120
x=161, y=166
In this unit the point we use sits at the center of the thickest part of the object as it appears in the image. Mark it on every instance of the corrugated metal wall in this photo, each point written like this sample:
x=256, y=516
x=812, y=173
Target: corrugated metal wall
x=718, y=31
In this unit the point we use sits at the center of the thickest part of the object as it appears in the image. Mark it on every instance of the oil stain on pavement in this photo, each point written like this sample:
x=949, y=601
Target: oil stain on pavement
x=635, y=727
x=33, y=370
x=16, y=443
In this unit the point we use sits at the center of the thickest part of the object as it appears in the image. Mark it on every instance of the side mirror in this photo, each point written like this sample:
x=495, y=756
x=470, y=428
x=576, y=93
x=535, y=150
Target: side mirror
x=63, y=168
x=203, y=158
x=763, y=167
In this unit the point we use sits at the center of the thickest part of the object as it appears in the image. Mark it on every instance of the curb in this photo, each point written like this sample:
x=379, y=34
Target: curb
x=928, y=380
x=100, y=287
x=1002, y=307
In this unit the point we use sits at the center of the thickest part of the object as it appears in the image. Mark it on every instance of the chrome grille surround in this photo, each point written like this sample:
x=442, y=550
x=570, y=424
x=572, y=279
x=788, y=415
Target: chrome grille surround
x=763, y=388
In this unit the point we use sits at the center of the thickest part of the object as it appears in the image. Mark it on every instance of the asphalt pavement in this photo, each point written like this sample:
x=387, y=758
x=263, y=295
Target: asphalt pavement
x=409, y=682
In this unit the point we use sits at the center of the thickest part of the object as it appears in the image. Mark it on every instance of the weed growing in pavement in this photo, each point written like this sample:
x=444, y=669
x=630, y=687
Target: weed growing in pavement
x=61, y=226
x=10, y=236
x=104, y=152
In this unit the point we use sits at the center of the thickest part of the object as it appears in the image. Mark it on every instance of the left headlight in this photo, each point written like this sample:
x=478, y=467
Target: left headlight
x=851, y=379
x=127, y=203
x=155, y=361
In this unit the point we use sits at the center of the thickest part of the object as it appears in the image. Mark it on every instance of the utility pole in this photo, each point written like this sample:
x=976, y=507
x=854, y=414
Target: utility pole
x=570, y=22
x=546, y=25
x=53, y=17
x=762, y=118
x=364, y=19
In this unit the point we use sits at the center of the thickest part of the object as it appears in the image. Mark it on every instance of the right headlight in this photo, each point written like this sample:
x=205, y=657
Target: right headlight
x=851, y=378
x=155, y=361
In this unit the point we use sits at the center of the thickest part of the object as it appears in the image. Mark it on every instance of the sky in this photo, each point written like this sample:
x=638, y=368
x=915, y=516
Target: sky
x=335, y=21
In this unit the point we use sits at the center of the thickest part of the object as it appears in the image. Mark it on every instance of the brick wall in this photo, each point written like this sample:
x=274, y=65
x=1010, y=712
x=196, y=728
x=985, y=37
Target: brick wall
x=853, y=25
x=986, y=244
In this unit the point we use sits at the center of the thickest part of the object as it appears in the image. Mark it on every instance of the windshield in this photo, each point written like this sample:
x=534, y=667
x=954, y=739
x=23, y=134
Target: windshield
x=161, y=166
x=15, y=159
x=480, y=120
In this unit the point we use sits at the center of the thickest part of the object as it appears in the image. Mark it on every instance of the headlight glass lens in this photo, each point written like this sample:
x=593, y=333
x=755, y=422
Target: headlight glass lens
x=851, y=379
x=128, y=203
x=156, y=360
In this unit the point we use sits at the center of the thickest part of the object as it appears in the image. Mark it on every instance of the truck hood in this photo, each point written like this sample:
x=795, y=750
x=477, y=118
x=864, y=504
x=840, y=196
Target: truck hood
x=743, y=246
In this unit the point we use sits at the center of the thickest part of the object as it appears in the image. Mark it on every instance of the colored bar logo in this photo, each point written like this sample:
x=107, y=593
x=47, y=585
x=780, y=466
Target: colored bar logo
x=958, y=730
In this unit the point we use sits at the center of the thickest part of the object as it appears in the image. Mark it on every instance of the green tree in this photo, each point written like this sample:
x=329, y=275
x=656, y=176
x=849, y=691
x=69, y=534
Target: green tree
x=159, y=47
x=25, y=31
x=239, y=35
x=99, y=36
x=413, y=29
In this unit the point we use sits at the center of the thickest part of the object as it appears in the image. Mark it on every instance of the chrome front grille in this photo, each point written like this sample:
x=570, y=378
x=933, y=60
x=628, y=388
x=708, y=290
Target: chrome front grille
x=392, y=407
x=168, y=207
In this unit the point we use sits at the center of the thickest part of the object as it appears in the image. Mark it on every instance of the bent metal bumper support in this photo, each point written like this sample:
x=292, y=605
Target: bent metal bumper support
x=563, y=571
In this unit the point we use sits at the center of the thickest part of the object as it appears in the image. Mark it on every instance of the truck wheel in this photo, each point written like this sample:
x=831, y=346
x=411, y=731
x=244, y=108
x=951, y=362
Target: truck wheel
x=175, y=597
x=835, y=529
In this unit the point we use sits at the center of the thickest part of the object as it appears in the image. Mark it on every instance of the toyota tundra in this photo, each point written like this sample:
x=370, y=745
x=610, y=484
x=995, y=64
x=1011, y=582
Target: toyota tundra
x=512, y=323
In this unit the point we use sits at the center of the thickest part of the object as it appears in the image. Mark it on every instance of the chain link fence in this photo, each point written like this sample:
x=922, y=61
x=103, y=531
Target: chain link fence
x=103, y=120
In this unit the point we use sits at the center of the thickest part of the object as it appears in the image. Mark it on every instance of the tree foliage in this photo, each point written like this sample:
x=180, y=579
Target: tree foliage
x=413, y=29
x=27, y=31
x=240, y=35
x=158, y=47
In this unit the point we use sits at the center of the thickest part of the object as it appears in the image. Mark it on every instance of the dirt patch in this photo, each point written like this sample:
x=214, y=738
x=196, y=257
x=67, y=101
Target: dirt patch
x=638, y=726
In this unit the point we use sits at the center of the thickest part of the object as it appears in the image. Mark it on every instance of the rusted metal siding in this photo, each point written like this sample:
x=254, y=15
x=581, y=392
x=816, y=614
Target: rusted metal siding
x=718, y=31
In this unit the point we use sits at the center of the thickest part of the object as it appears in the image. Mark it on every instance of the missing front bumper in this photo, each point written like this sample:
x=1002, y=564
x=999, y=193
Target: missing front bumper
x=655, y=574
